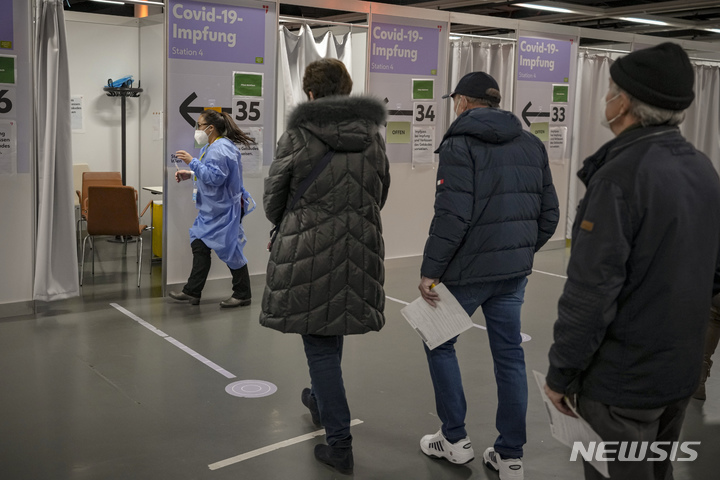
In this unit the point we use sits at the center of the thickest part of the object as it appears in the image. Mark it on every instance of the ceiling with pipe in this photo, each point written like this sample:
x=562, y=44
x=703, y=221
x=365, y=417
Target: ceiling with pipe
x=681, y=19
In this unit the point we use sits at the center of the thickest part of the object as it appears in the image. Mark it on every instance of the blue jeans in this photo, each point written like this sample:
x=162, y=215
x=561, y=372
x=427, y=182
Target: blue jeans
x=324, y=355
x=501, y=303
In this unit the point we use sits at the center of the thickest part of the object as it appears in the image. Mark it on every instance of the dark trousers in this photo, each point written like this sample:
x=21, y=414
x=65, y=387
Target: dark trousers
x=324, y=355
x=634, y=425
x=201, y=268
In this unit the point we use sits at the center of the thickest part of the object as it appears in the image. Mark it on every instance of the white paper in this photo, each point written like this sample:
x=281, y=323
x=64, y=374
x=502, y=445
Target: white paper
x=558, y=145
x=252, y=155
x=568, y=430
x=436, y=325
x=8, y=147
x=76, y=114
x=423, y=139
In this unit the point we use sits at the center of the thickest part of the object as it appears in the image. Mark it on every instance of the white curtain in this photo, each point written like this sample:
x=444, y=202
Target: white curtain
x=702, y=120
x=495, y=59
x=56, y=266
x=593, y=80
x=701, y=126
x=298, y=50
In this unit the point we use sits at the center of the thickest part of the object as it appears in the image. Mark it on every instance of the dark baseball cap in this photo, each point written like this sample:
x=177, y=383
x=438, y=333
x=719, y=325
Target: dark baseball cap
x=476, y=85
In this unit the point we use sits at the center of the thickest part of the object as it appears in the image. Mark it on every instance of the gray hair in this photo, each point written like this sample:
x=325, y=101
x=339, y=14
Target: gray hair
x=493, y=102
x=647, y=114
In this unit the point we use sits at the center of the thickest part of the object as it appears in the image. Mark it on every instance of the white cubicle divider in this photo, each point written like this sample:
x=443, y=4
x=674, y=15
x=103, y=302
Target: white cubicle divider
x=221, y=55
x=17, y=192
x=546, y=72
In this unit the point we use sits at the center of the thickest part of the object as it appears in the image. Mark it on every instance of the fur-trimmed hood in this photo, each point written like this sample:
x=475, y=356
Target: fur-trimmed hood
x=345, y=123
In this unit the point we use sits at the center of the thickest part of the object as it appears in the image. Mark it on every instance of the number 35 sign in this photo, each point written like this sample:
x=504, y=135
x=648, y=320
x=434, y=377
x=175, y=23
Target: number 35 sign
x=248, y=110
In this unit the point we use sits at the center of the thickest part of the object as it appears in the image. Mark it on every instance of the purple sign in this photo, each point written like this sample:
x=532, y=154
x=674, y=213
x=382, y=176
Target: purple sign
x=6, y=24
x=404, y=49
x=544, y=60
x=215, y=32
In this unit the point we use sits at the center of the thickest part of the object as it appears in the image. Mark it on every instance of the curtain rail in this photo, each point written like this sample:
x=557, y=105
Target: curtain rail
x=482, y=36
x=284, y=19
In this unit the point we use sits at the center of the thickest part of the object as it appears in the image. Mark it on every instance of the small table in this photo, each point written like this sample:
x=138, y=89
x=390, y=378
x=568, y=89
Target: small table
x=154, y=190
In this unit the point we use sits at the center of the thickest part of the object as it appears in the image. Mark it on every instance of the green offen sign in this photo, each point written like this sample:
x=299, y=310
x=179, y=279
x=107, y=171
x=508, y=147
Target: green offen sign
x=560, y=93
x=7, y=69
x=423, y=90
x=247, y=84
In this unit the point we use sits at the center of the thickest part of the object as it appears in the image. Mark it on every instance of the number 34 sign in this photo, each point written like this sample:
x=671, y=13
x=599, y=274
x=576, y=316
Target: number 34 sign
x=248, y=110
x=424, y=113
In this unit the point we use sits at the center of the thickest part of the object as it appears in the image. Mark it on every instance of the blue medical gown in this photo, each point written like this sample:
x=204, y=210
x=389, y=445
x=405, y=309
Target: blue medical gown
x=220, y=199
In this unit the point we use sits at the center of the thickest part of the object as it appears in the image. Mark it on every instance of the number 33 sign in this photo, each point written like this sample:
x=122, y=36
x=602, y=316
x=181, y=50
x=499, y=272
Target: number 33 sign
x=248, y=110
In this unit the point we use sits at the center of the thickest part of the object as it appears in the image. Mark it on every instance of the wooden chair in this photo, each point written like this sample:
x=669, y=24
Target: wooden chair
x=90, y=179
x=113, y=211
x=78, y=170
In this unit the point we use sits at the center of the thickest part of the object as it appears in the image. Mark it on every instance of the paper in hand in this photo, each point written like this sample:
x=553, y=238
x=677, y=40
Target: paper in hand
x=436, y=325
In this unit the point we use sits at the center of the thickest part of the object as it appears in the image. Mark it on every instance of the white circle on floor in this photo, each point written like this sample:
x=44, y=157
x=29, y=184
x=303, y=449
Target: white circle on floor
x=525, y=337
x=251, y=388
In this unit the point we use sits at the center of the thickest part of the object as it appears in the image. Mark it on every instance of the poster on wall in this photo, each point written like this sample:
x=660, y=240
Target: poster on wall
x=76, y=114
x=545, y=78
x=8, y=147
x=248, y=108
x=7, y=69
x=407, y=68
x=6, y=24
x=216, y=32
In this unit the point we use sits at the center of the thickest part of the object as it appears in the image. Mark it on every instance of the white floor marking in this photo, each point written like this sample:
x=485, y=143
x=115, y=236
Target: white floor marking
x=396, y=300
x=178, y=344
x=551, y=274
x=271, y=448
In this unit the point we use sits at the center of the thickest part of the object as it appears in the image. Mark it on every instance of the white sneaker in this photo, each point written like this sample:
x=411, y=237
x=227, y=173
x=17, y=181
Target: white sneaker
x=437, y=446
x=509, y=468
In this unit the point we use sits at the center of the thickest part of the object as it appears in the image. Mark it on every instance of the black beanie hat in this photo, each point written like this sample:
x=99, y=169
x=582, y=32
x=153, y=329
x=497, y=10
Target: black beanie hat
x=660, y=76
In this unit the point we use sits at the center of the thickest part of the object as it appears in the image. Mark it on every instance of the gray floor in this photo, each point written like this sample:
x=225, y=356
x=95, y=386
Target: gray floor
x=88, y=393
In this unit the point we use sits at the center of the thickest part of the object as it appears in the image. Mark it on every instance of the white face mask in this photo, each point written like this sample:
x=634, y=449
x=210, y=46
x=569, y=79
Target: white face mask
x=201, y=138
x=603, y=119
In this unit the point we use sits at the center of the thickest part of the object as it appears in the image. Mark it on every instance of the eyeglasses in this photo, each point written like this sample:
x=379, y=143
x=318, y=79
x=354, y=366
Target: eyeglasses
x=201, y=124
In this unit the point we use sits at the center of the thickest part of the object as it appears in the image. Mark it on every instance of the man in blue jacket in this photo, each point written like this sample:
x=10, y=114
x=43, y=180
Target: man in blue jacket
x=645, y=263
x=495, y=206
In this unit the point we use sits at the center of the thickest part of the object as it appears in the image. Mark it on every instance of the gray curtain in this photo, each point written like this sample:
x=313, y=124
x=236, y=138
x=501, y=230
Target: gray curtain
x=702, y=120
x=495, y=59
x=593, y=81
x=56, y=266
x=701, y=126
x=299, y=50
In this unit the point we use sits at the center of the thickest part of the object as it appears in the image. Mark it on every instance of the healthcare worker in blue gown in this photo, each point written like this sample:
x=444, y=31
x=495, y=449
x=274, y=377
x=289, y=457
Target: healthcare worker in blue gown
x=222, y=201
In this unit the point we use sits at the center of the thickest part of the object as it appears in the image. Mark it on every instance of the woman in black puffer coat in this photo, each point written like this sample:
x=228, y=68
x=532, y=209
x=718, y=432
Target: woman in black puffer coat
x=325, y=275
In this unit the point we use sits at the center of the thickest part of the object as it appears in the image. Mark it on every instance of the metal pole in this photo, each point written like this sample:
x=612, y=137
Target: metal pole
x=122, y=120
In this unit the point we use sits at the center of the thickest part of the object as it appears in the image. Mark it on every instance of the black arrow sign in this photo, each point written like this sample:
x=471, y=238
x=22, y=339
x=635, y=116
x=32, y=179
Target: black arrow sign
x=526, y=114
x=186, y=109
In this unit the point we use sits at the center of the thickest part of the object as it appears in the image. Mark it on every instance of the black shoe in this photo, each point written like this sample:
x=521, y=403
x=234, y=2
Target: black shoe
x=339, y=458
x=184, y=297
x=309, y=401
x=233, y=302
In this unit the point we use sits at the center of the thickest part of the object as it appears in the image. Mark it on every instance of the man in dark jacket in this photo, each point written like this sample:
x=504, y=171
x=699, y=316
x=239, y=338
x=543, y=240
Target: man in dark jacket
x=644, y=266
x=495, y=206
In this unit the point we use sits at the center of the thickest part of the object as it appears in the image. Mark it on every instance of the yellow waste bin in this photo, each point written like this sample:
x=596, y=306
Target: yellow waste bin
x=157, y=224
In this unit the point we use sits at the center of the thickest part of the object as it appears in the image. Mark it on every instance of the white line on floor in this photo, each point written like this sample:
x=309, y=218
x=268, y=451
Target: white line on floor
x=396, y=300
x=551, y=274
x=178, y=344
x=270, y=448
